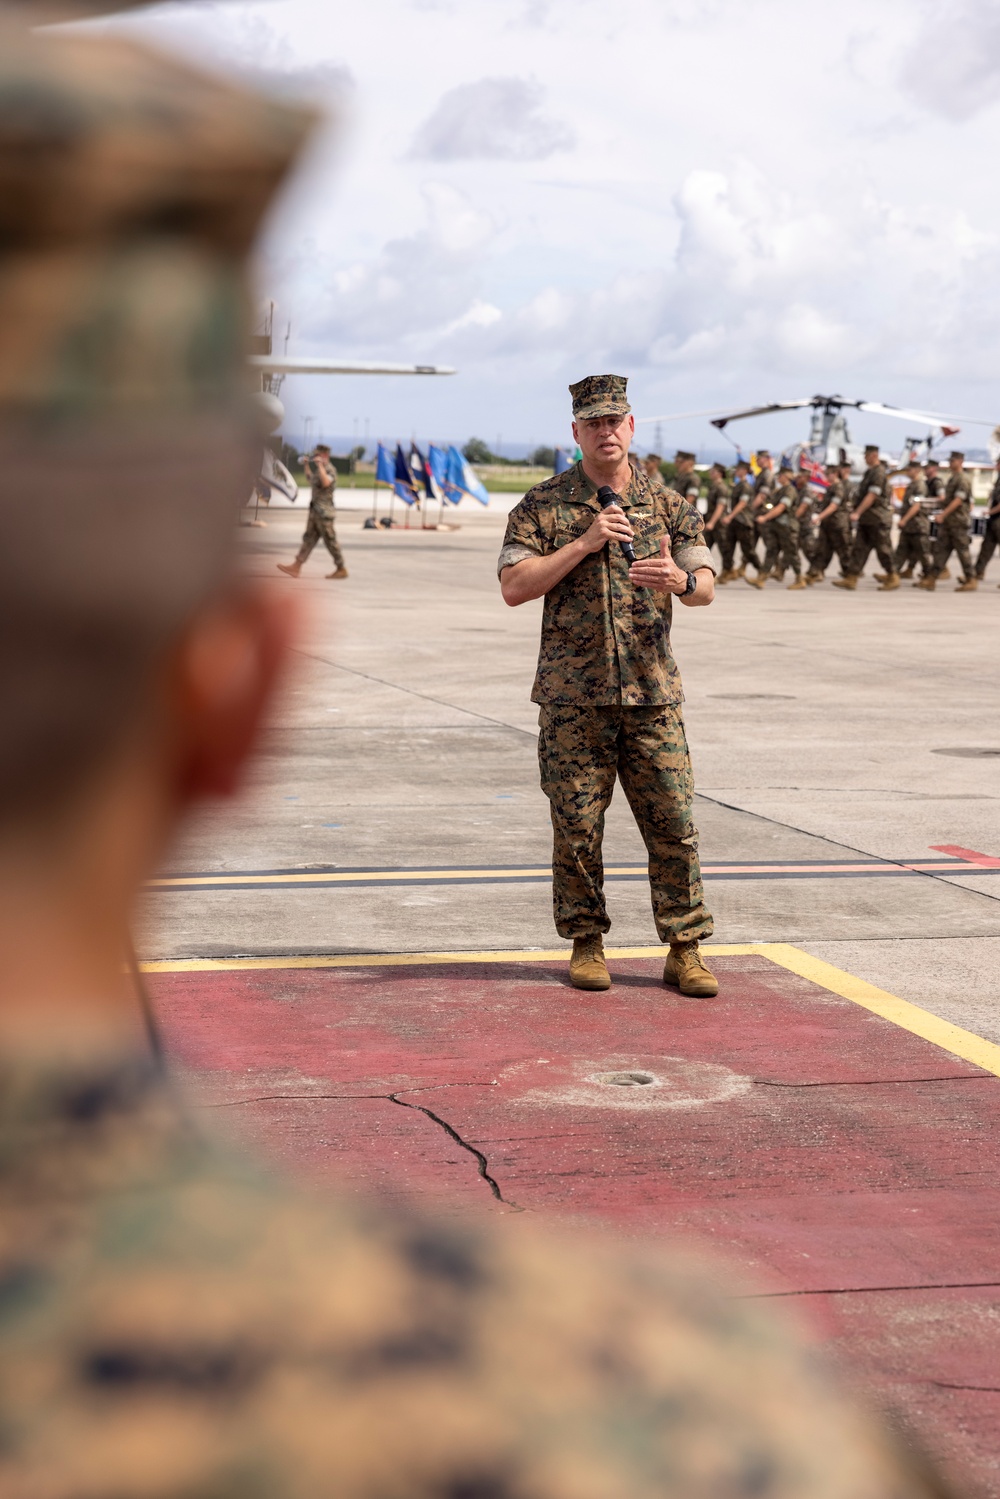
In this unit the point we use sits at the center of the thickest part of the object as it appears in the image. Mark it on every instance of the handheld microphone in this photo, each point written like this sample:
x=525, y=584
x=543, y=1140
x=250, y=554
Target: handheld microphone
x=605, y=497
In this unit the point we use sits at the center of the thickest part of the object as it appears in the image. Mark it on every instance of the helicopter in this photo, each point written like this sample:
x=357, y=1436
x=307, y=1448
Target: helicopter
x=829, y=440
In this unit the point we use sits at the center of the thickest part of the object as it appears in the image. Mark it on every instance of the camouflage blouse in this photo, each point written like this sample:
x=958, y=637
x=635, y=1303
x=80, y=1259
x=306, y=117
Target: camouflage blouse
x=605, y=641
x=173, y=1325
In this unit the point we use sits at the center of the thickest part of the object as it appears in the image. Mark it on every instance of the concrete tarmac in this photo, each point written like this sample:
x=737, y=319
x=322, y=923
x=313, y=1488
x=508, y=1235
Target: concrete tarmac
x=825, y=727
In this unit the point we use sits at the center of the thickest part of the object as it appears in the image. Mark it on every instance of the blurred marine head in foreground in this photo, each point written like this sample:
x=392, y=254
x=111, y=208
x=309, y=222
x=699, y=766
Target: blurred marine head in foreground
x=174, y=1326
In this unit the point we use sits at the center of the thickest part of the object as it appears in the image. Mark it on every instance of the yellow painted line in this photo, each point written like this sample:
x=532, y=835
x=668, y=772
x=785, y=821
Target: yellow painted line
x=909, y=1017
x=411, y=959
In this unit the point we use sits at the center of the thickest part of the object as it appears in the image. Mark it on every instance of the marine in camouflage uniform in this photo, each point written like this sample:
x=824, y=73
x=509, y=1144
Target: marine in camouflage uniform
x=953, y=522
x=781, y=528
x=741, y=529
x=321, y=525
x=914, y=544
x=834, y=533
x=717, y=504
x=609, y=694
x=805, y=514
x=873, y=525
x=175, y=1322
x=991, y=540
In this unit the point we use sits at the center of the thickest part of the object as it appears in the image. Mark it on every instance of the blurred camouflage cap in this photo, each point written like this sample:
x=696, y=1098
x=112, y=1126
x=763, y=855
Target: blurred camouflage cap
x=131, y=189
x=956, y=454
x=600, y=395
x=683, y=457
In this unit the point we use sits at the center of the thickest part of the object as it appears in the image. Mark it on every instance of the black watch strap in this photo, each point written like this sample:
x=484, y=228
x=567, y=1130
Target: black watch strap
x=692, y=584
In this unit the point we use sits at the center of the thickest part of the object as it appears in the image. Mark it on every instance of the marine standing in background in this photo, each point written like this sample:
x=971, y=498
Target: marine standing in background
x=834, y=525
x=322, y=514
x=654, y=473
x=741, y=528
x=805, y=514
x=686, y=482
x=953, y=521
x=716, y=523
x=873, y=523
x=991, y=540
x=782, y=530
x=914, y=543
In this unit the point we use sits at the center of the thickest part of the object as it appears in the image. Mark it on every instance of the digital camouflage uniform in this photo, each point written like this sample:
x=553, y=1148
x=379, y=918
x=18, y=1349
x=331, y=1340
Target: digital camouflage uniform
x=914, y=543
x=741, y=529
x=991, y=539
x=321, y=525
x=808, y=535
x=610, y=694
x=834, y=538
x=764, y=485
x=953, y=533
x=718, y=535
x=176, y=1325
x=874, y=528
x=781, y=536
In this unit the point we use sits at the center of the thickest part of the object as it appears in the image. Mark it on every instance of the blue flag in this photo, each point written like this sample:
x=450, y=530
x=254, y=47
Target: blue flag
x=563, y=461
x=462, y=476
x=402, y=480
x=385, y=468
x=438, y=461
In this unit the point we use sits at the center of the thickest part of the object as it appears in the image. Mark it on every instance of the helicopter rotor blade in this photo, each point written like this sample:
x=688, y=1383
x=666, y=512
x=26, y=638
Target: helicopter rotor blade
x=927, y=418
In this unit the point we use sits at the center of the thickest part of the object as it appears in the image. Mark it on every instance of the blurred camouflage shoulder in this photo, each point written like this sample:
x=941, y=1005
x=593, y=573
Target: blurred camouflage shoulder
x=175, y=1324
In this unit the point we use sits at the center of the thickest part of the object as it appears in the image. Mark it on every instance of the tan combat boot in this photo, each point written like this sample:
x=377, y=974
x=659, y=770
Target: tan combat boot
x=685, y=971
x=757, y=582
x=891, y=582
x=968, y=585
x=587, y=968
x=943, y=575
x=907, y=571
x=800, y=582
x=929, y=583
x=880, y=577
x=724, y=576
x=291, y=568
x=848, y=581
x=340, y=573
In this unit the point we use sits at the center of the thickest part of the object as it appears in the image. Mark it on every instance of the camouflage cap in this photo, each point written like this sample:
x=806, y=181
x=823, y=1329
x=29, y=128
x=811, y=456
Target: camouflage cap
x=955, y=454
x=131, y=189
x=681, y=456
x=599, y=395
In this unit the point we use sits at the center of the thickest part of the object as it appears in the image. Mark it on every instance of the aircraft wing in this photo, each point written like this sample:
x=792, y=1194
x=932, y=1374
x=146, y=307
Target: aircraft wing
x=284, y=364
x=927, y=418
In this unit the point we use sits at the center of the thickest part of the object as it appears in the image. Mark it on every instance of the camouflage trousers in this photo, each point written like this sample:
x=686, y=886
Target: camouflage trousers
x=834, y=539
x=580, y=752
x=874, y=532
x=953, y=536
x=988, y=546
x=734, y=535
x=321, y=526
x=914, y=546
x=781, y=548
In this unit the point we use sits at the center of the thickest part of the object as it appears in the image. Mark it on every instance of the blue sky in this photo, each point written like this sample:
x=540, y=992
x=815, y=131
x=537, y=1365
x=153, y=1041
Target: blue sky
x=729, y=201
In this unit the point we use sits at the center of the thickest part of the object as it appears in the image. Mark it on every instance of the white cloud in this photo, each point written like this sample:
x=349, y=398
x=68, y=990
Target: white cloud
x=953, y=67
x=496, y=118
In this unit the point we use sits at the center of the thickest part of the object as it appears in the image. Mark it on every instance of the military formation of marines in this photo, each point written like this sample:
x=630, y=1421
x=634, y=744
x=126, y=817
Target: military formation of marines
x=787, y=521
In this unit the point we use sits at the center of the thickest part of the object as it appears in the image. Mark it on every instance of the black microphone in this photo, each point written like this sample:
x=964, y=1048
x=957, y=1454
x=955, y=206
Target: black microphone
x=605, y=497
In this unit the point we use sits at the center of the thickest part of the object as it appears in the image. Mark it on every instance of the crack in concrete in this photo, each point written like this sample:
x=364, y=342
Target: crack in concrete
x=944, y=1384
x=483, y=1163
x=948, y=1285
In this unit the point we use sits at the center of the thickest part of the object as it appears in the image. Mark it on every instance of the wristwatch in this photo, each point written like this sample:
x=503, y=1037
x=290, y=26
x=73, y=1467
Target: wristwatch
x=690, y=586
